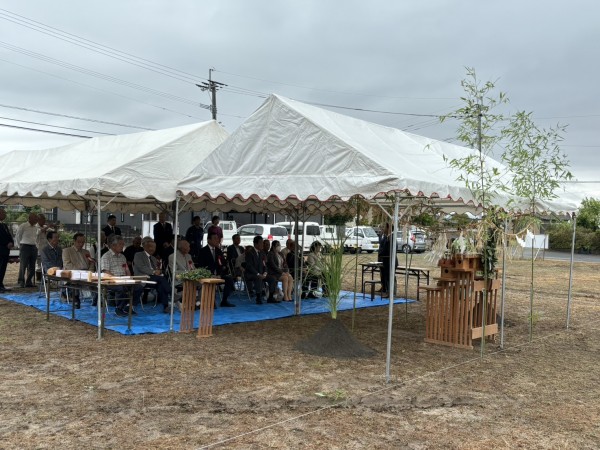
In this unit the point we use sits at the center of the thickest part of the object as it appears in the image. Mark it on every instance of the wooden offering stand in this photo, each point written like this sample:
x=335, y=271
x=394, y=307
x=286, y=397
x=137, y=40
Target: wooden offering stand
x=454, y=308
x=207, y=306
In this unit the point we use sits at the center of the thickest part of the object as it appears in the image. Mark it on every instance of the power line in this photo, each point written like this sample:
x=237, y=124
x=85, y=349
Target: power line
x=114, y=53
x=334, y=91
x=43, y=131
x=98, y=48
x=74, y=117
x=55, y=126
x=100, y=75
x=372, y=110
x=102, y=90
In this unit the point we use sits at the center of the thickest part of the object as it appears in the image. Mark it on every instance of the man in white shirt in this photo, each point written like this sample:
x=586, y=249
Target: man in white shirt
x=26, y=238
x=43, y=229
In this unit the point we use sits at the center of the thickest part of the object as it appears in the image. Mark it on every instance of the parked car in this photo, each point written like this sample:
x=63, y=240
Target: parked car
x=308, y=232
x=361, y=239
x=332, y=235
x=267, y=231
x=415, y=241
x=229, y=228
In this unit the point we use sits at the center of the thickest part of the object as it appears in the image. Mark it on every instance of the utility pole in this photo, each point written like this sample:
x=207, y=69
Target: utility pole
x=212, y=86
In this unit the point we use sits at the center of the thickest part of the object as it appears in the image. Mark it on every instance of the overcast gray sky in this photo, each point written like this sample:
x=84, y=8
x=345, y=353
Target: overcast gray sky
x=394, y=56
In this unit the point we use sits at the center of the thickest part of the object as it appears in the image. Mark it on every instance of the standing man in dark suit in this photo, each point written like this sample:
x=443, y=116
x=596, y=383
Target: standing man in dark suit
x=211, y=257
x=6, y=243
x=195, y=236
x=111, y=226
x=163, y=234
x=256, y=272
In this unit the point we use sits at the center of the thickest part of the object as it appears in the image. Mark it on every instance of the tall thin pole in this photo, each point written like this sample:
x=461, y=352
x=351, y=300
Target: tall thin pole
x=98, y=266
x=486, y=234
x=213, y=94
x=503, y=295
x=174, y=266
x=355, y=265
x=212, y=87
x=391, y=290
x=571, y=272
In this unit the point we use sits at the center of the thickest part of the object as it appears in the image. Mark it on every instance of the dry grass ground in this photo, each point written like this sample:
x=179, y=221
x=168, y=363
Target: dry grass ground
x=246, y=387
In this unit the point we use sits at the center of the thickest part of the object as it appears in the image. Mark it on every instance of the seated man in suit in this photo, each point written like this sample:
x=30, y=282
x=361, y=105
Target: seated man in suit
x=78, y=258
x=136, y=246
x=234, y=251
x=52, y=253
x=211, y=257
x=184, y=258
x=113, y=262
x=256, y=272
x=145, y=263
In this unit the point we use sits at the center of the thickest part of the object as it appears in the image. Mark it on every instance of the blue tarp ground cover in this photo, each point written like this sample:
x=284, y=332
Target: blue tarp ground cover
x=153, y=320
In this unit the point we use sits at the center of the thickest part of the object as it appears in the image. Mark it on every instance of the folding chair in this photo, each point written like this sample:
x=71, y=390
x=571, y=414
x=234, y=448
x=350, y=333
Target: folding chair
x=147, y=290
x=239, y=282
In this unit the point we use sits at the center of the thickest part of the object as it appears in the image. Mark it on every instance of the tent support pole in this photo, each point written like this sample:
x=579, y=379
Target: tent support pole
x=503, y=295
x=99, y=267
x=571, y=272
x=355, y=265
x=391, y=290
x=298, y=283
x=174, y=267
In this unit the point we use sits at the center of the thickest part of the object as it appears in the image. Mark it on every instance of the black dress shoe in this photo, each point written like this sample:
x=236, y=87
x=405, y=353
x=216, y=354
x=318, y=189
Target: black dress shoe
x=226, y=304
x=259, y=301
x=273, y=300
x=30, y=285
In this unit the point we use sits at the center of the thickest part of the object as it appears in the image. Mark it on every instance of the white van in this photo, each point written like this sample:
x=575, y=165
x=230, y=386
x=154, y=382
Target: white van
x=309, y=231
x=331, y=235
x=267, y=231
x=361, y=239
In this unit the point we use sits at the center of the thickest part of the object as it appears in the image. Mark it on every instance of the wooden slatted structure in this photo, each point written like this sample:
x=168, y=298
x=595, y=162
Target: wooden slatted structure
x=207, y=306
x=188, y=305
x=454, y=308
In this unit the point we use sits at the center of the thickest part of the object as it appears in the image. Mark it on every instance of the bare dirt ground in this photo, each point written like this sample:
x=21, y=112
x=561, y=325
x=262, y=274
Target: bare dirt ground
x=248, y=388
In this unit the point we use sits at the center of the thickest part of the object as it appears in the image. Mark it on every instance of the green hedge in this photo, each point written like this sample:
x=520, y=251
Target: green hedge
x=586, y=240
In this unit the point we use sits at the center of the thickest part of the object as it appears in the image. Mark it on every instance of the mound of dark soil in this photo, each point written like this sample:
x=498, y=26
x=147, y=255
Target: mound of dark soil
x=336, y=341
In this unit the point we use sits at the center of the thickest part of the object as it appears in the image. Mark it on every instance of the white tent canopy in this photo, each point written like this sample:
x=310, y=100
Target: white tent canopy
x=289, y=152
x=133, y=172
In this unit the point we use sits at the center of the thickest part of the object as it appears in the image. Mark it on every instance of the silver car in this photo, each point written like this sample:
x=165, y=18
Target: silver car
x=416, y=242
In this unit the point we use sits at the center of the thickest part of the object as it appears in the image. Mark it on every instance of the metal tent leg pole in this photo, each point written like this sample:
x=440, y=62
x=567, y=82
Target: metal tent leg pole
x=503, y=296
x=99, y=267
x=571, y=272
x=174, y=268
x=391, y=289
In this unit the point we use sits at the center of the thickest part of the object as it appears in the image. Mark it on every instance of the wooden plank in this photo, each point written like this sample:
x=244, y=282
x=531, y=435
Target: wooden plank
x=490, y=330
x=448, y=344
